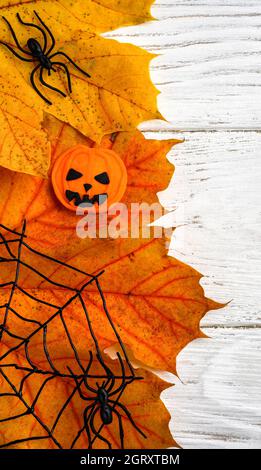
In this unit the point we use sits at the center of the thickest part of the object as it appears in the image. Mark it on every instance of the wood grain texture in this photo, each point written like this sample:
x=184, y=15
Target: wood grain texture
x=218, y=403
x=209, y=67
x=209, y=76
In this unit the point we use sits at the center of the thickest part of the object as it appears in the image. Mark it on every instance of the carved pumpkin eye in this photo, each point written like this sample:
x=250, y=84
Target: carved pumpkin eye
x=73, y=175
x=102, y=178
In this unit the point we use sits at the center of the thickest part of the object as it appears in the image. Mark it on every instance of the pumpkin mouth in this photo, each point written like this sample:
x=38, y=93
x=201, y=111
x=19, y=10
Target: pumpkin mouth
x=75, y=197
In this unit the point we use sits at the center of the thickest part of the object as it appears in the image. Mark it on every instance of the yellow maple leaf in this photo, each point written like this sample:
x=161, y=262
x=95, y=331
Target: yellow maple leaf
x=87, y=15
x=117, y=96
x=23, y=142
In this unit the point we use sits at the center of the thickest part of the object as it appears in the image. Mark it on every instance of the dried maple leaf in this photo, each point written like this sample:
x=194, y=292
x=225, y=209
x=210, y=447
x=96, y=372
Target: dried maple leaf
x=147, y=167
x=155, y=301
x=118, y=96
x=141, y=398
x=162, y=296
x=23, y=143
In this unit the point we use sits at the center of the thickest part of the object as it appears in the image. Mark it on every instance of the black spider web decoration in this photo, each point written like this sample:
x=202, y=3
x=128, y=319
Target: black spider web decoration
x=30, y=350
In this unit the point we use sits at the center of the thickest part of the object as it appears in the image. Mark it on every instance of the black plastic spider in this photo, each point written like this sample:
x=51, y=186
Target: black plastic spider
x=103, y=403
x=42, y=55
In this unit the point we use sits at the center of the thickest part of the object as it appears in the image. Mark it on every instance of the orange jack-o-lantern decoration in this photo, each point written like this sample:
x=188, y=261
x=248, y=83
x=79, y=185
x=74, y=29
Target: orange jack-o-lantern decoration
x=89, y=175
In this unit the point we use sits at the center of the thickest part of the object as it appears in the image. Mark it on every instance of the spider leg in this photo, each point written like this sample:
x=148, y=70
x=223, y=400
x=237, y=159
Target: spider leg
x=79, y=387
x=95, y=432
x=72, y=62
x=15, y=37
x=124, y=382
x=67, y=74
x=126, y=411
x=86, y=372
x=108, y=372
x=64, y=406
x=84, y=426
x=85, y=378
x=48, y=30
x=15, y=53
x=36, y=27
x=34, y=85
x=120, y=427
x=44, y=83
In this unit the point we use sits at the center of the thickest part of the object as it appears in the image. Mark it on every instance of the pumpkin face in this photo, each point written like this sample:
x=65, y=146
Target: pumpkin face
x=89, y=175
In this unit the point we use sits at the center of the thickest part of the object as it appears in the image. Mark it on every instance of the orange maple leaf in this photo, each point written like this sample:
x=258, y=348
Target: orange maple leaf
x=141, y=399
x=148, y=173
x=43, y=357
x=155, y=301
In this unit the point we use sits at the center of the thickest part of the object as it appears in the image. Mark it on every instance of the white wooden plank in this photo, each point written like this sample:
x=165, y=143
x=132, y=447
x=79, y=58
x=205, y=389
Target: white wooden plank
x=215, y=192
x=217, y=404
x=215, y=200
x=209, y=73
x=219, y=219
